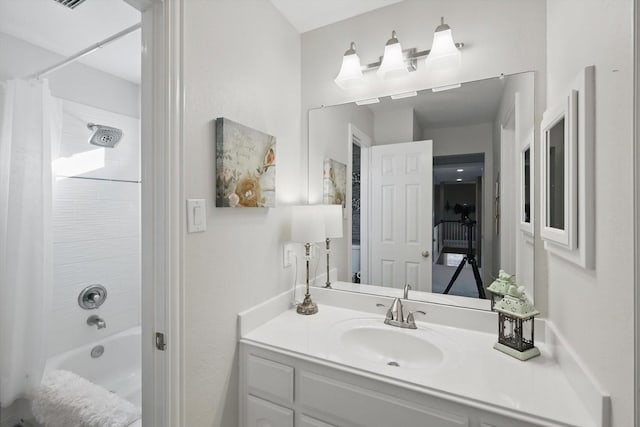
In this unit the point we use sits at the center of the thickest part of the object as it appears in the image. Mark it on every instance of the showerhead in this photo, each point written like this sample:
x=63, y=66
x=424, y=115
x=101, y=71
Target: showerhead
x=104, y=136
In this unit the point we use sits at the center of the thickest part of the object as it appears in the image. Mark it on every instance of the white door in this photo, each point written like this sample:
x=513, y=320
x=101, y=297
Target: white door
x=401, y=215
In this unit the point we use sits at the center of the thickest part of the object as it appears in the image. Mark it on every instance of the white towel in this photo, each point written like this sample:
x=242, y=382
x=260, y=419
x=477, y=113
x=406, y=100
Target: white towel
x=65, y=399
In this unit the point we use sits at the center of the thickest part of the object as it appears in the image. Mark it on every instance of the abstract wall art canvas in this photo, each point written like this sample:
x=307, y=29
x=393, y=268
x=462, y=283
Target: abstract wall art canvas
x=245, y=166
x=335, y=182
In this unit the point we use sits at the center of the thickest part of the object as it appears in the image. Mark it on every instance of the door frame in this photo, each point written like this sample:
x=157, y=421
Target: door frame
x=636, y=203
x=162, y=227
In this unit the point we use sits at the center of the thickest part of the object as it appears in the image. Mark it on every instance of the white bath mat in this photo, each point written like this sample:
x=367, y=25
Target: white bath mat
x=65, y=399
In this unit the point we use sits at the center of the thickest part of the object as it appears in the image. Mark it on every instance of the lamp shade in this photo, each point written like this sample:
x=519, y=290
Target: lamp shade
x=350, y=74
x=307, y=224
x=333, y=221
x=393, y=65
x=444, y=52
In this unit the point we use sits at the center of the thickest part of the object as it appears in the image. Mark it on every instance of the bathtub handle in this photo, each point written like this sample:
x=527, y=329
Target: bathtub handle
x=92, y=297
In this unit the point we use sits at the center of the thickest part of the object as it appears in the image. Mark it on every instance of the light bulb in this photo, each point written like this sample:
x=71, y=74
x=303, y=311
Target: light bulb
x=393, y=65
x=350, y=74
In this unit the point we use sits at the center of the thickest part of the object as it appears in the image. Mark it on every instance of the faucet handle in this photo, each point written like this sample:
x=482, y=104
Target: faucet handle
x=411, y=321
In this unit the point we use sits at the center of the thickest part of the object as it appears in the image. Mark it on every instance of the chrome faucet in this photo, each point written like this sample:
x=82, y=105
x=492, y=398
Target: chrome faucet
x=395, y=315
x=97, y=321
x=407, y=288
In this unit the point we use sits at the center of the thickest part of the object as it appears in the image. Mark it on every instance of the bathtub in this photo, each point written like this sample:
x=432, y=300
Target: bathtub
x=117, y=370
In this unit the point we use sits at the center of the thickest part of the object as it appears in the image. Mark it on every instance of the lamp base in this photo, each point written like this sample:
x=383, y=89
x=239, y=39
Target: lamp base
x=307, y=306
x=520, y=355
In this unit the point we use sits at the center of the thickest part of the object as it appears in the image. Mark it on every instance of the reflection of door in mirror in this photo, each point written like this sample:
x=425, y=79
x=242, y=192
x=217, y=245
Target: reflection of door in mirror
x=401, y=220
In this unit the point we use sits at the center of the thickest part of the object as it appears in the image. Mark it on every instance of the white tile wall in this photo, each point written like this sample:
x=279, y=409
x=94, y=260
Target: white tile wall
x=96, y=226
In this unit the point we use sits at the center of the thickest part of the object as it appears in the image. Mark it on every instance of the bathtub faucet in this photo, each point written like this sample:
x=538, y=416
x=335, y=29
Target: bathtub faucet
x=94, y=320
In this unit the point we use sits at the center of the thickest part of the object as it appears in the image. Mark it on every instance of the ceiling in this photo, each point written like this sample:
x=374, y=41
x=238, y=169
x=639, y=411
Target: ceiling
x=51, y=26
x=472, y=103
x=449, y=174
x=54, y=27
x=307, y=15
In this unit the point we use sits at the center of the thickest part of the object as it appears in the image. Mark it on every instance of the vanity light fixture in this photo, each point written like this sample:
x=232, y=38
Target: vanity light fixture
x=307, y=227
x=460, y=170
x=393, y=65
x=397, y=63
x=444, y=51
x=350, y=74
x=333, y=230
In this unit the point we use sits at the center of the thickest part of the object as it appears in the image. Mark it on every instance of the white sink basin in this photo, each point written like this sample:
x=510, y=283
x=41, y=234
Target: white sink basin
x=373, y=342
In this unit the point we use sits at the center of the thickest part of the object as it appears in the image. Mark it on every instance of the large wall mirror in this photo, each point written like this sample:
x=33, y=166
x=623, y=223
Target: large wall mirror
x=433, y=188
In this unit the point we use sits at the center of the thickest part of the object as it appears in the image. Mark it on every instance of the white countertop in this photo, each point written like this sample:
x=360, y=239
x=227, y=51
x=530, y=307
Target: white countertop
x=472, y=370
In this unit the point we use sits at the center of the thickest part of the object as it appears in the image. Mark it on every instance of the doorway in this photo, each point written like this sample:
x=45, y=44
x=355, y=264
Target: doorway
x=458, y=213
x=144, y=250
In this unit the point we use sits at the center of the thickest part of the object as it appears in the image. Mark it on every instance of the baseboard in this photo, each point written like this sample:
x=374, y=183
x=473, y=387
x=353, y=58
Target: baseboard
x=595, y=399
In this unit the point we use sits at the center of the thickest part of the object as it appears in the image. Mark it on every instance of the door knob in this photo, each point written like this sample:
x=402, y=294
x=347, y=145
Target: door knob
x=425, y=254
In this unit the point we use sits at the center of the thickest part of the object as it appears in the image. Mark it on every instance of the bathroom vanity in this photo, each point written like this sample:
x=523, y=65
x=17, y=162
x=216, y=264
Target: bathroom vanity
x=344, y=367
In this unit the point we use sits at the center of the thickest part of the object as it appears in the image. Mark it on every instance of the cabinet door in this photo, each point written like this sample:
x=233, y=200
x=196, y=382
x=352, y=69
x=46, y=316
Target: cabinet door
x=261, y=413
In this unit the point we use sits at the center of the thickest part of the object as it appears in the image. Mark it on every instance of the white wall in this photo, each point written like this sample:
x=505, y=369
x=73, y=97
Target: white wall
x=468, y=140
x=594, y=309
x=392, y=127
x=502, y=37
x=96, y=229
x=75, y=82
x=417, y=128
x=241, y=61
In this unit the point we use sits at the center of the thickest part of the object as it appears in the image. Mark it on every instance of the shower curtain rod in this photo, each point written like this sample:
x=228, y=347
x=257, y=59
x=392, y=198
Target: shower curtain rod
x=86, y=51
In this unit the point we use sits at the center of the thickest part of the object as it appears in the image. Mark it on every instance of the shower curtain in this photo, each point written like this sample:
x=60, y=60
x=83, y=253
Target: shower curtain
x=30, y=124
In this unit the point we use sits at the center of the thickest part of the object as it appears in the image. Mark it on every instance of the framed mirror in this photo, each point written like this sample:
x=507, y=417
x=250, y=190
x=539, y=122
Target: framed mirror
x=559, y=180
x=567, y=136
x=423, y=169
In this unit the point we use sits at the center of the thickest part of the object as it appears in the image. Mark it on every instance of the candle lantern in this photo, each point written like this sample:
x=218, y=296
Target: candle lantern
x=516, y=325
x=499, y=288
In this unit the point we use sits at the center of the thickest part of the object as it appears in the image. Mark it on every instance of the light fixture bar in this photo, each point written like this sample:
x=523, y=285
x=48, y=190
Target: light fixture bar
x=411, y=56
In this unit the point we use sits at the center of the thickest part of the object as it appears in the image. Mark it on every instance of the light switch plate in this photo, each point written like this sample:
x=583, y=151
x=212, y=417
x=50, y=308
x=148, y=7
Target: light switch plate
x=196, y=215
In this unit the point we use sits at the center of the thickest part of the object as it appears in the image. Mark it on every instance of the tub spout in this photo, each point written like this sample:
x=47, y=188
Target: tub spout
x=96, y=321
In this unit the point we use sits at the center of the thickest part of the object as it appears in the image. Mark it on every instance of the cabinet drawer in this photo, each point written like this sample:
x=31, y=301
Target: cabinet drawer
x=261, y=413
x=341, y=401
x=269, y=379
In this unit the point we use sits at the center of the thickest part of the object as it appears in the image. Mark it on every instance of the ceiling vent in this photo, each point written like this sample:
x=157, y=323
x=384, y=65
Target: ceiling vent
x=71, y=4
